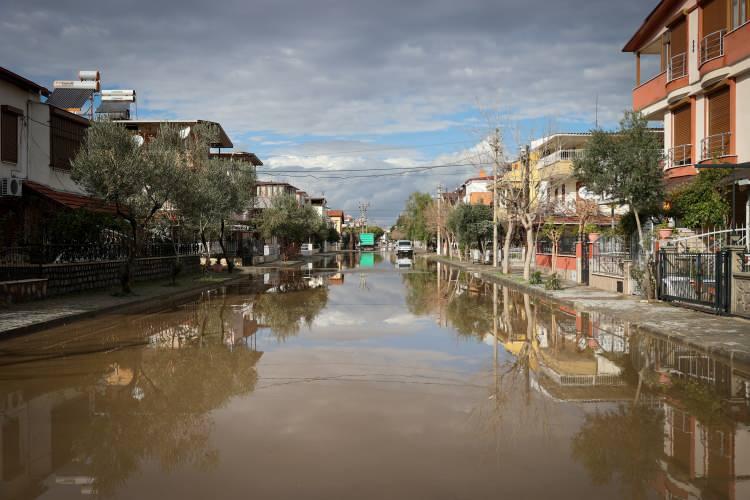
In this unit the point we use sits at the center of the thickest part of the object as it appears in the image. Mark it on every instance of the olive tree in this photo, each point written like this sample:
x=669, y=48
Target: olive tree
x=626, y=167
x=289, y=221
x=137, y=177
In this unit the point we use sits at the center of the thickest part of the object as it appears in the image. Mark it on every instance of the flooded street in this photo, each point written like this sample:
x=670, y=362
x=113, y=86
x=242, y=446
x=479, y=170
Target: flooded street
x=367, y=376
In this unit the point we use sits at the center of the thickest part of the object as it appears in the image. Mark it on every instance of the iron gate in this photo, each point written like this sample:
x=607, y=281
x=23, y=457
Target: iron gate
x=700, y=279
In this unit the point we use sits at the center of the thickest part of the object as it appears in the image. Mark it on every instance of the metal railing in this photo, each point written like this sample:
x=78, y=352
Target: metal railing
x=679, y=156
x=677, y=67
x=92, y=252
x=712, y=45
x=561, y=155
x=609, y=256
x=565, y=247
x=715, y=146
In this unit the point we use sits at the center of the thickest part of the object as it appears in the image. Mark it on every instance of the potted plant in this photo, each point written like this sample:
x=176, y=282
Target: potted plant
x=664, y=230
x=593, y=231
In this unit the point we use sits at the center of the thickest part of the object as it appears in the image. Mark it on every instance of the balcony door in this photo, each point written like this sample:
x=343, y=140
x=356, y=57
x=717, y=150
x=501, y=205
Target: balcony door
x=715, y=20
x=740, y=12
x=682, y=134
x=677, y=50
x=719, y=126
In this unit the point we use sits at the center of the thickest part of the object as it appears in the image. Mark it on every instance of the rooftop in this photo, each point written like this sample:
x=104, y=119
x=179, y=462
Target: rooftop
x=240, y=155
x=19, y=81
x=224, y=140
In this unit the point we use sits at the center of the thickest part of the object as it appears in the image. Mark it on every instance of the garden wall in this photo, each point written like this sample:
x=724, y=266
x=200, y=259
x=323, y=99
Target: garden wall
x=76, y=277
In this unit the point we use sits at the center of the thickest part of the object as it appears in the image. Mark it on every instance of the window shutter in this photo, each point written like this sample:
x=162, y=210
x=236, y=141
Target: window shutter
x=678, y=38
x=718, y=112
x=681, y=125
x=9, y=132
x=714, y=16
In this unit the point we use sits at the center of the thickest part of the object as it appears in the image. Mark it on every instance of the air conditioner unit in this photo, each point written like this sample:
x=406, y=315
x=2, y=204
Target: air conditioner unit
x=10, y=186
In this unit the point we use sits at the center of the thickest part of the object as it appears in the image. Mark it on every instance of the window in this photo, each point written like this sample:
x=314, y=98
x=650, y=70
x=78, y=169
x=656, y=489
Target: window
x=66, y=135
x=9, y=130
x=740, y=10
x=681, y=136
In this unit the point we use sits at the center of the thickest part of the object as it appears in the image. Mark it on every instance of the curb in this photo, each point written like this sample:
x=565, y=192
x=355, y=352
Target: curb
x=579, y=305
x=136, y=305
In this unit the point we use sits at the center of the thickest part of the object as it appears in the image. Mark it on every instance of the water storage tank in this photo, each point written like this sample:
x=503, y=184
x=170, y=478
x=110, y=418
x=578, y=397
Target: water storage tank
x=92, y=75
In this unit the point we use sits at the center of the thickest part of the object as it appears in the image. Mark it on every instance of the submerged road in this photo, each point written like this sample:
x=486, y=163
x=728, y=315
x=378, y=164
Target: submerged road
x=366, y=376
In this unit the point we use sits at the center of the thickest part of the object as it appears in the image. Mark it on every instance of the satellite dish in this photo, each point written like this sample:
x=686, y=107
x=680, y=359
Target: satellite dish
x=184, y=133
x=138, y=139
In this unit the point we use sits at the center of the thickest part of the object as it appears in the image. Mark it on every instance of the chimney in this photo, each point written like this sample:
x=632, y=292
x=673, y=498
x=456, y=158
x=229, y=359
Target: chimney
x=482, y=173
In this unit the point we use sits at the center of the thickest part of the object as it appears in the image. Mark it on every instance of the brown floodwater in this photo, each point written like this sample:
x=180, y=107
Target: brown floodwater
x=368, y=377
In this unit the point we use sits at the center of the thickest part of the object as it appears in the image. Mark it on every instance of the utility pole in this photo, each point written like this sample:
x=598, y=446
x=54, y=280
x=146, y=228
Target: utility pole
x=495, y=160
x=363, y=206
x=439, y=217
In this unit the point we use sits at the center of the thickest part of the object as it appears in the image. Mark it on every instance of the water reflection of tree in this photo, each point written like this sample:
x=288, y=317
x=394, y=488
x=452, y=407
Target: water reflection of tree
x=623, y=444
x=294, y=302
x=155, y=403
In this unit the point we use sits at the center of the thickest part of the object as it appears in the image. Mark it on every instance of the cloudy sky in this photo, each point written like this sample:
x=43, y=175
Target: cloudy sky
x=319, y=86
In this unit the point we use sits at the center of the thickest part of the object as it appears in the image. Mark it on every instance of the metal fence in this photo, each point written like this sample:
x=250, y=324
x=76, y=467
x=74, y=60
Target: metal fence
x=609, y=254
x=700, y=279
x=566, y=246
x=91, y=252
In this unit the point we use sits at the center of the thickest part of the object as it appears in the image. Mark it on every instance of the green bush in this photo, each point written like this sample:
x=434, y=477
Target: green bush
x=552, y=282
x=536, y=278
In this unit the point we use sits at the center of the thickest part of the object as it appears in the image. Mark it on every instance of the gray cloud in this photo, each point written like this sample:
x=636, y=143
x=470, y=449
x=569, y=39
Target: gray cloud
x=336, y=68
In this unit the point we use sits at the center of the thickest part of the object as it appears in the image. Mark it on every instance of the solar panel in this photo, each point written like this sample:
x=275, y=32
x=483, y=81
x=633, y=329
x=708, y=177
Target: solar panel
x=113, y=107
x=69, y=98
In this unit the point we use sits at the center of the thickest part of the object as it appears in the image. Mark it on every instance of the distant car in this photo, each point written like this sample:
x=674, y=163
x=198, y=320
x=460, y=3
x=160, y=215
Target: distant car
x=404, y=247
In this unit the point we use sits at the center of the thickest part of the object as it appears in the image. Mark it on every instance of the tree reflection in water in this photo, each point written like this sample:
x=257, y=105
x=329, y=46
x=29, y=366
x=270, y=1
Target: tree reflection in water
x=290, y=304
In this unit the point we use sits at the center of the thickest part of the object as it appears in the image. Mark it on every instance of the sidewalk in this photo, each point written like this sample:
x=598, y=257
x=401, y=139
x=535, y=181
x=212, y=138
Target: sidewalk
x=37, y=315
x=724, y=335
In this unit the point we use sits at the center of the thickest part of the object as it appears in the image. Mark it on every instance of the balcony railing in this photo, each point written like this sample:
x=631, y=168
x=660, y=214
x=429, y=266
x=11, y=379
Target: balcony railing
x=677, y=67
x=712, y=46
x=679, y=156
x=561, y=155
x=715, y=146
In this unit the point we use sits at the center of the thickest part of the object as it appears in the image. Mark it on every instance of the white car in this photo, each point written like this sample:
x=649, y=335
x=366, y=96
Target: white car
x=404, y=247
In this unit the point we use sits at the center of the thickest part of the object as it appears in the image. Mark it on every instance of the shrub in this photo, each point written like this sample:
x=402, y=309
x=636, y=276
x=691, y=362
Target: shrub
x=552, y=282
x=536, y=278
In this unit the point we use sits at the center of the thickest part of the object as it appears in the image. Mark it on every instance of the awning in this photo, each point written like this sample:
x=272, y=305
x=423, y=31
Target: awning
x=71, y=200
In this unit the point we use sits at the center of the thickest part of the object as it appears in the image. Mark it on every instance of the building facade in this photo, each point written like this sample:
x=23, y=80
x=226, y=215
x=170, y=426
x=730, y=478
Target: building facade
x=699, y=82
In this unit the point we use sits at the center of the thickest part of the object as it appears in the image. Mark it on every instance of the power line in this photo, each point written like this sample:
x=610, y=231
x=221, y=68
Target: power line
x=338, y=153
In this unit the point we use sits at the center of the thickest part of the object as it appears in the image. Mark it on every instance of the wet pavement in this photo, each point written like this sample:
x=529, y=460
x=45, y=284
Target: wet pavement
x=367, y=376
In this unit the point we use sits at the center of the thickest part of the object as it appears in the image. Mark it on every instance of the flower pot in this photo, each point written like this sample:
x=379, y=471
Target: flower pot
x=593, y=237
x=665, y=233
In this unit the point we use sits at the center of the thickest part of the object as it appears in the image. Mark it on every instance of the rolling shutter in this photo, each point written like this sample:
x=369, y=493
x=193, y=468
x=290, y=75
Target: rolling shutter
x=714, y=16
x=9, y=132
x=718, y=112
x=681, y=124
x=678, y=38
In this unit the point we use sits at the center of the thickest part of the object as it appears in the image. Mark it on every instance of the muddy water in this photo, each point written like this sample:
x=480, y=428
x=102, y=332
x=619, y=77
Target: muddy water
x=367, y=377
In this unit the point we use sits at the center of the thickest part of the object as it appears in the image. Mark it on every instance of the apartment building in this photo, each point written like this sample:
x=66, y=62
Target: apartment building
x=693, y=74
x=38, y=142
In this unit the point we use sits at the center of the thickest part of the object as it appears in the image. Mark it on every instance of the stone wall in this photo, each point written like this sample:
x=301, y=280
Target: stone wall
x=741, y=294
x=77, y=277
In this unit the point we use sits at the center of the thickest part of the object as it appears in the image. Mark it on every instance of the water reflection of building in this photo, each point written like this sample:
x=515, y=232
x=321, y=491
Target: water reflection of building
x=703, y=460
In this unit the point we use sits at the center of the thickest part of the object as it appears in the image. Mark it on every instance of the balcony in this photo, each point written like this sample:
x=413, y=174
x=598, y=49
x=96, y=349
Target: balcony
x=715, y=146
x=712, y=46
x=677, y=67
x=679, y=156
x=650, y=92
x=559, y=164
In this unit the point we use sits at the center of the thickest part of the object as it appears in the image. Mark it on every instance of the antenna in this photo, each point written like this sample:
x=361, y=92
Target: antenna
x=596, y=113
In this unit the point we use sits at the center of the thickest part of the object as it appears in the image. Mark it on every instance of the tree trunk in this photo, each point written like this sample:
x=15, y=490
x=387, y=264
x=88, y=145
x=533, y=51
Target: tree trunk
x=230, y=265
x=648, y=275
x=207, y=250
x=127, y=271
x=529, y=250
x=506, y=247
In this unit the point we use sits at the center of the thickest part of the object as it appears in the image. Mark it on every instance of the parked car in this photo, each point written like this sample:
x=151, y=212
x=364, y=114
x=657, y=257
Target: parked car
x=404, y=247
